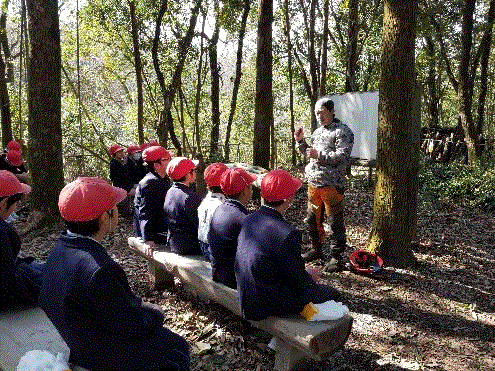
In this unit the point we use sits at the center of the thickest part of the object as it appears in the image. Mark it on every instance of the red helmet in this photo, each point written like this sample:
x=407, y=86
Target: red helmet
x=363, y=261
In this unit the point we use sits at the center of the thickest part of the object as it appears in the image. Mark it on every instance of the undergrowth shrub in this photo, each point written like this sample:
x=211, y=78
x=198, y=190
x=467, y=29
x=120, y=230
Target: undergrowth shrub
x=474, y=185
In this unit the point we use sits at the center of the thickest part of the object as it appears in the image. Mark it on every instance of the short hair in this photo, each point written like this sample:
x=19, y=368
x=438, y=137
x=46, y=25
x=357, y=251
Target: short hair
x=274, y=203
x=12, y=199
x=215, y=189
x=235, y=196
x=88, y=228
x=325, y=102
x=150, y=165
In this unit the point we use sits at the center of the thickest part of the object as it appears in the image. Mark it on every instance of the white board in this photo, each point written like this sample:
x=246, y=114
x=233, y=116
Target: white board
x=359, y=111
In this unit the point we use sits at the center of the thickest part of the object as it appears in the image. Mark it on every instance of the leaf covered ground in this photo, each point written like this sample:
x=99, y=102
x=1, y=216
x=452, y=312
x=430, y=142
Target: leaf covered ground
x=438, y=316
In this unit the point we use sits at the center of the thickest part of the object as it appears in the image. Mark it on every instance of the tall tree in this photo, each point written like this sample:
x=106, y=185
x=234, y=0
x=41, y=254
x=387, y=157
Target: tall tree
x=4, y=60
x=166, y=124
x=44, y=102
x=215, y=86
x=291, y=88
x=394, y=211
x=466, y=83
x=324, y=52
x=237, y=78
x=352, y=43
x=263, y=110
x=138, y=70
x=469, y=58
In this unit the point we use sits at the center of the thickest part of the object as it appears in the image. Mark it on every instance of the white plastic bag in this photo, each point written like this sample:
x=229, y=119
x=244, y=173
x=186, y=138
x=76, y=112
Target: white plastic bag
x=327, y=311
x=42, y=360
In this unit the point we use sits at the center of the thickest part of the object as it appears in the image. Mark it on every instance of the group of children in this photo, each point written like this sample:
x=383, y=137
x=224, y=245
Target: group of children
x=85, y=293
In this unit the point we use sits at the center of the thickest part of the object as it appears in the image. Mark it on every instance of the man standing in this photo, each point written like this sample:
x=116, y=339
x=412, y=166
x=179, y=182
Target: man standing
x=329, y=156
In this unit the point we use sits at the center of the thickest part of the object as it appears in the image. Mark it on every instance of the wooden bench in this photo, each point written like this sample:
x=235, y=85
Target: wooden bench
x=297, y=339
x=23, y=330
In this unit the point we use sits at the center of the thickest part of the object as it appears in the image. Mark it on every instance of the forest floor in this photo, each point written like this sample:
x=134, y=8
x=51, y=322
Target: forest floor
x=438, y=316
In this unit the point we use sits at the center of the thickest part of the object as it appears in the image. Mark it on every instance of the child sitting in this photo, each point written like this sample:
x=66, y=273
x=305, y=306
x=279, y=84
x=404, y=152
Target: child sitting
x=213, y=199
x=86, y=295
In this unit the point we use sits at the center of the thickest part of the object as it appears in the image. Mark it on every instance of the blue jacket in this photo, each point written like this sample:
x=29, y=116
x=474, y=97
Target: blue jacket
x=86, y=295
x=271, y=276
x=222, y=238
x=17, y=286
x=149, y=218
x=181, y=212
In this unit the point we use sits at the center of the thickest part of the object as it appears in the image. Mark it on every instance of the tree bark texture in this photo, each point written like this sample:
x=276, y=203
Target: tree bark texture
x=4, y=92
x=215, y=93
x=138, y=70
x=352, y=45
x=394, y=211
x=237, y=79
x=263, y=117
x=433, y=98
x=485, y=48
x=44, y=103
x=324, y=50
x=466, y=83
x=291, y=89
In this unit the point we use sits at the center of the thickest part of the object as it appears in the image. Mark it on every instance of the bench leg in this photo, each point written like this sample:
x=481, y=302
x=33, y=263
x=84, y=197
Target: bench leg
x=288, y=358
x=158, y=275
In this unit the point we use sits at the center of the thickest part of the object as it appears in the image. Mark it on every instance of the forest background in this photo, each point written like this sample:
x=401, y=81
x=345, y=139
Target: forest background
x=229, y=80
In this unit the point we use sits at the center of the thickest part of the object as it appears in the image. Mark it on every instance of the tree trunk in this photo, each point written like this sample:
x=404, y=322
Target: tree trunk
x=350, y=81
x=466, y=83
x=394, y=211
x=199, y=85
x=432, y=83
x=138, y=70
x=166, y=124
x=313, y=62
x=215, y=93
x=263, y=117
x=4, y=92
x=324, y=53
x=237, y=79
x=45, y=129
x=291, y=89
x=485, y=46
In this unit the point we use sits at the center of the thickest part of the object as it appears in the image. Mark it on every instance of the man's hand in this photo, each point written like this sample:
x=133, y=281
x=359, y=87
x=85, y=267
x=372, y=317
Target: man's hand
x=150, y=248
x=157, y=307
x=299, y=134
x=313, y=272
x=312, y=153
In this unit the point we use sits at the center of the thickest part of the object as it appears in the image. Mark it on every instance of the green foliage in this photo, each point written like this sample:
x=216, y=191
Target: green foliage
x=474, y=185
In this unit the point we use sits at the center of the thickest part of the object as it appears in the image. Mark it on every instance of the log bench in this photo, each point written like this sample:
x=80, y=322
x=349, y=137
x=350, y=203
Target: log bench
x=297, y=339
x=23, y=330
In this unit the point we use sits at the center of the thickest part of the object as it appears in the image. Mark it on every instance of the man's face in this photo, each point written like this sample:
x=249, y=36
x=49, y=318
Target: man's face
x=323, y=115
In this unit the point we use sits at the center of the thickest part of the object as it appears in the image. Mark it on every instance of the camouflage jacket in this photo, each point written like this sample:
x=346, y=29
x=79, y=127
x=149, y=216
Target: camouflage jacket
x=334, y=145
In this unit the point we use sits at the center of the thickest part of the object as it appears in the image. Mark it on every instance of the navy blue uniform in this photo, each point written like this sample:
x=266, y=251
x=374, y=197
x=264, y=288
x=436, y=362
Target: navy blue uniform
x=222, y=238
x=149, y=218
x=137, y=169
x=5, y=165
x=271, y=276
x=121, y=175
x=87, y=297
x=19, y=281
x=181, y=212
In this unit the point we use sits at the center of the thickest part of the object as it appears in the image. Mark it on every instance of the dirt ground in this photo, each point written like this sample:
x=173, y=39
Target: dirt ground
x=438, y=316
